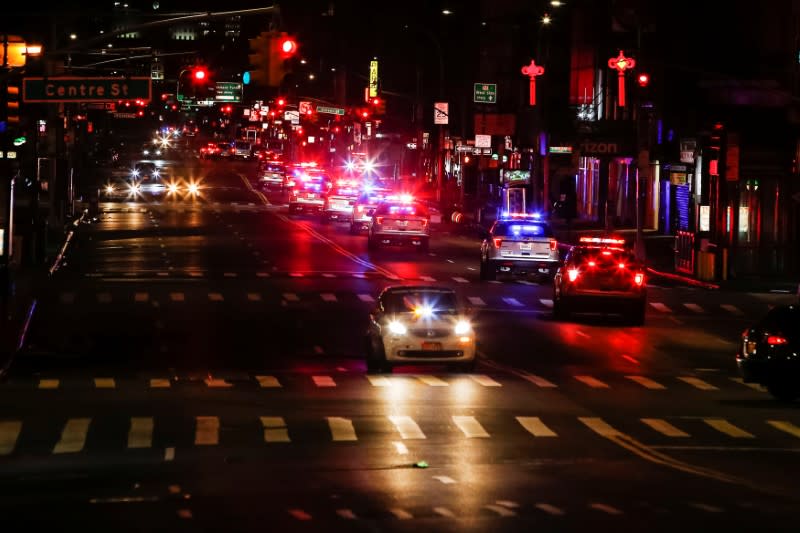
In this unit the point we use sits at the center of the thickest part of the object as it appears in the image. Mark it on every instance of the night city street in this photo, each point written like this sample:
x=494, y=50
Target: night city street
x=189, y=346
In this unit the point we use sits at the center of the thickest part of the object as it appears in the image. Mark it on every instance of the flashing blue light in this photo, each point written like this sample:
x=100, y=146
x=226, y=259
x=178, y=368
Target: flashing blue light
x=246, y=78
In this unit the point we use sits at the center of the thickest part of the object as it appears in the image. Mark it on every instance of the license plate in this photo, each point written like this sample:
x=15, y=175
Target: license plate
x=432, y=346
x=311, y=196
x=525, y=246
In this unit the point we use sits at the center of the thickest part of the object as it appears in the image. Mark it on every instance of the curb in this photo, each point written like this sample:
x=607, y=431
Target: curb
x=683, y=279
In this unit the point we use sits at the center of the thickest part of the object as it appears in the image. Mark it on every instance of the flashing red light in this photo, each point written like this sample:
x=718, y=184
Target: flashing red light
x=365, y=114
x=200, y=74
x=497, y=242
x=280, y=102
x=638, y=278
x=592, y=264
x=466, y=159
x=376, y=101
x=599, y=240
x=174, y=107
x=621, y=265
x=140, y=113
x=288, y=46
x=643, y=79
x=379, y=220
x=164, y=96
x=776, y=340
x=572, y=274
x=553, y=245
x=336, y=129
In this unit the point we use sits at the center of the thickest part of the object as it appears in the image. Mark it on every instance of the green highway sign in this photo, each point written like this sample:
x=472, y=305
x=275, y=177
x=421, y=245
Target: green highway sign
x=228, y=91
x=330, y=110
x=484, y=93
x=70, y=89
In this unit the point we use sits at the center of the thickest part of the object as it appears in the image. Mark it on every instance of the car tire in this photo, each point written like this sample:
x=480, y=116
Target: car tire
x=464, y=368
x=783, y=390
x=323, y=219
x=424, y=246
x=560, y=309
x=636, y=317
x=353, y=229
x=372, y=243
x=488, y=271
x=376, y=362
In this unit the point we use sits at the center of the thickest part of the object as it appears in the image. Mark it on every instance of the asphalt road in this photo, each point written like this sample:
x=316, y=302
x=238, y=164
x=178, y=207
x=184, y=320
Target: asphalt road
x=198, y=365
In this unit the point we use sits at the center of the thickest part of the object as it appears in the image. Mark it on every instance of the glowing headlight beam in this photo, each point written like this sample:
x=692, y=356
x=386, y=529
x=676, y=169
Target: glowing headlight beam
x=397, y=328
x=463, y=327
x=193, y=188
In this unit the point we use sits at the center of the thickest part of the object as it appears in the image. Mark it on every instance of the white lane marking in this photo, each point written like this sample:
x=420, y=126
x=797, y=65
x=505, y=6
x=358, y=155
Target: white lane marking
x=427, y=278
x=694, y=308
x=162, y=274
x=513, y=301
x=217, y=383
x=328, y=275
x=49, y=383
x=104, y=297
x=526, y=282
x=268, y=382
x=723, y=426
x=444, y=511
x=476, y=300
x=785, y=426
x=470, y=427
x=328, y=297
x=706, y=507
x=646, y=382
x=253, y=297
x=433, y=381
x=401, y=514
x=104, y=383
x=400, y=448
x=159, y=383
x=549, y=509
x=169, y=454
x=296, y=274
x=450, y=261
x=141, y=297
x=697, y=383
x=407, y=428
x=445, y=480
x=495, y=282
x=460, y=279
x=732, y=309
x=546, y=302
x=275, y=429
x=754, y=386
x=538, y=380
x=323, y=381
x=500, y=510
x=658, y=306
x=262, y=274
x=366, y=298
x=341, y=429
x=140, y=434
x=9, y=433
x=73, y=436
x=592, y=382
x=206, y=431
x=215, y=297
x=290, y=297
x=484, y=380
x=508, y=504
x=664, y=427
x=608, y=509
x=379, y=381
x=177, y=296
x=599, y=426
x=67, y=297
x=300, y=514
x=347, y=514
x=535, y=426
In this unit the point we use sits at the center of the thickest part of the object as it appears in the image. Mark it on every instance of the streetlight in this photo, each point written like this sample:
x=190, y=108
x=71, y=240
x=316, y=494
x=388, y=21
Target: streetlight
x=446, y=12
x=73, y=36
x=546, y=20
x=556, y=3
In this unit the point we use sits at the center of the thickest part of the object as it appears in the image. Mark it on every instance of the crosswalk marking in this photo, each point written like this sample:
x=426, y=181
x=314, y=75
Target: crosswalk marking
x=290, y=297
x=177, y=296
x=694, y=308
x=253, y=297
x=546, y=302
x=400, y=448
x=262, y=274
x=347, y=514
x=379, y=381
x=407, y=428
x=658, y=306
x=328, y=297
x=664, y=427
x=141, y=297
x=697, y=383
x=104, y=297
x=140, y=434
x=459, y=279
x=104, y=383
x=539, y=381
x=592, y=382
x=470, y=427
x=217, y=383
x=706, y=507
x=67, y=297
x=476, y=300
x=229, y=274
x=549, y=509
x=49, y=383
x=342, y=429
x=366, y=298
x=599, y=426
x=785, y=426
x=500, y=510
x=723, y=426
x=268, y=382
x=732, y=309
x=159, y=383
x=484, y=380
x=323, y=381
x=433, y=381
x=445, y=480
x=206, y=431
x=300, y=514
x=513, y=301
x=427, y=278
x=9, y=433
x=535, y=426
x=215, y=297
x=754, y=386
x=608, y=509
x=444, y=511
x=401, y=514
x=73, y=436
x=275, y=429
x=646, y=382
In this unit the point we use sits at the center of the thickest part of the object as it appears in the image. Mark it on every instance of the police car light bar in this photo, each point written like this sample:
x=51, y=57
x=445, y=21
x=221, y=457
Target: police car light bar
x=529, y=216
x=599, y=240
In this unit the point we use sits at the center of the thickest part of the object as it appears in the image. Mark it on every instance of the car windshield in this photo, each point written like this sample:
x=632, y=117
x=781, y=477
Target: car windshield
x=439, y=302
x=522, y=229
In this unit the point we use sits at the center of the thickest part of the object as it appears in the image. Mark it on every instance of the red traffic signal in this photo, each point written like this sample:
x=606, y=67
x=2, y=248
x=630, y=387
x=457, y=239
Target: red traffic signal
x=376, y=101
x=199, y=74
x=288, y=46
x=280, y=102
x=643, y=79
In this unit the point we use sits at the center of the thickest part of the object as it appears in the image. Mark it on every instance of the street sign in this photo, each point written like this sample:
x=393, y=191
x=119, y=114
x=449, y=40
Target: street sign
x=330, y=110
x=292, y=116
x=440, y=112
x=373, y=78
x=560, y=149
x=464, y=148
x=484, y=93
x=483, y=141
x=70, y=89
x=228, y=91
x=305, y=108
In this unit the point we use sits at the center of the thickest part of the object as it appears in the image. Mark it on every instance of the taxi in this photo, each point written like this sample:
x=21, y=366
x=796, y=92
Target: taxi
x=419, y=324
x=307, y=190
x=400, y=220
x=519, y=243
x=364, y=207
x=600, y=275
x=339, y=201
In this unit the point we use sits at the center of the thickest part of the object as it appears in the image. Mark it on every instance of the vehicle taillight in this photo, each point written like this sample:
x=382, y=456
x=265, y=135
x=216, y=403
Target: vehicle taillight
x=592, y=264
x=621, y=265
x=424, y=222
x=572, y=274
x=776, y=339
x=379, y=220
x=497, y=242
x=553, y=245
x=638, y=278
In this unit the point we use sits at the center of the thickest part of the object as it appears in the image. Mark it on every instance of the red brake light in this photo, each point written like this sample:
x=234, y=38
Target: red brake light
x=638, y=278
x=379, y=220
x=497, y=242
x=621, y=265
x=776, y=339
x=553, y=245
x=592, y=264
x=572, y=274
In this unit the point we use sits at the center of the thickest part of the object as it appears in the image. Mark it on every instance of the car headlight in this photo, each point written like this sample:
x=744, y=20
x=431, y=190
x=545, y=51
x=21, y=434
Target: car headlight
x=463, y=327
x=109, y=189
x=397, y=328
x=156, y=173
x=134, y=189
x=193, y=188
x=135, y=173
x=173, y=188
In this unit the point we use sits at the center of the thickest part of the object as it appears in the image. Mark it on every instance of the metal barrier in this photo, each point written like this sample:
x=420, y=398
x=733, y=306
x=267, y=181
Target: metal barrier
x=684, y=252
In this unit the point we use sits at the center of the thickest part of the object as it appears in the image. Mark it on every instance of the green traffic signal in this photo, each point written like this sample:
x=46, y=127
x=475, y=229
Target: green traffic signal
x=19, y=141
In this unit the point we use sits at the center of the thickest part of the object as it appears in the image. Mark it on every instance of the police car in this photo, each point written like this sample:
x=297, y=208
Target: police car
x=364, y=207
x=339, y=201
x=519, y=244
x=419, y=324
x=600, y=274
x=400, y=220
x=307, y=191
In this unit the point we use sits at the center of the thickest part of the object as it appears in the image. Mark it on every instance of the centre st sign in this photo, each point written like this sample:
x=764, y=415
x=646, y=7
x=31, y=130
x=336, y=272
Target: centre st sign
x=70, y=89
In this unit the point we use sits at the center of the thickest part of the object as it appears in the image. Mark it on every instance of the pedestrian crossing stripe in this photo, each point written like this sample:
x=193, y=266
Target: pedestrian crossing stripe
x=476, y=300
x=328, y=297
x=275, y=429
x=694, y=308
x=658, y=306
x=206, y=431
x=140, y=434
x=267, y=382
x=592, y=382
x=470, y=427
x=535, y=426
x=726, y=427
x=323, y=381
x=698, y=383
x=73, y=436
x=664, y=427
x=341, y=429
x=646, y=382
x=9, y=433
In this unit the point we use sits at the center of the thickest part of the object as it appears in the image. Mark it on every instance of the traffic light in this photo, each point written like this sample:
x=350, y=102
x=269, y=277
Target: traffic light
x=643, y=79
x=288, y=47
x=280, y=101
x=11, y=103
x=271, y=50
x=378, y=105
x=199, y=74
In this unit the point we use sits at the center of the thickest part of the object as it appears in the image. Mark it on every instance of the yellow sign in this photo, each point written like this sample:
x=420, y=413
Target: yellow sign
x=373, y=78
